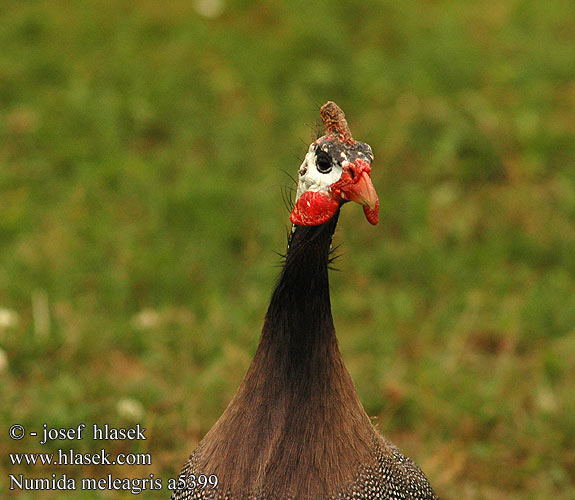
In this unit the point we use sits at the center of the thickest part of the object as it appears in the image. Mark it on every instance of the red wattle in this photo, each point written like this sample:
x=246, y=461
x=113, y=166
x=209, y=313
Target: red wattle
x=313, y=209
x=372, y=214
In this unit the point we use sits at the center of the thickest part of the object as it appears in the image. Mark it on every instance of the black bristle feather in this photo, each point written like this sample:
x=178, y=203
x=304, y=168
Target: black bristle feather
x=287, y=197
x=282, y=257
x=292, y=178
x=288, y=192
x=332, y=257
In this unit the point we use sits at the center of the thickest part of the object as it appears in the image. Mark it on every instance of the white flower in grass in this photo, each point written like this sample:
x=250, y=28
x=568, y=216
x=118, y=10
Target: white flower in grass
x=130, y=409
x=209, y=8
x=8, y=318
x=146, y=319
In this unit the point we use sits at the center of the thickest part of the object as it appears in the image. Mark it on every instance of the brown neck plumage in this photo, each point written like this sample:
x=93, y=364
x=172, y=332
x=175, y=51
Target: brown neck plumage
x=296, y=425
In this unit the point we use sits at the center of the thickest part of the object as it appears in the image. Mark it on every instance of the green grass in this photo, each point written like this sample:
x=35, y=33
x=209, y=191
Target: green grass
x=142, y=156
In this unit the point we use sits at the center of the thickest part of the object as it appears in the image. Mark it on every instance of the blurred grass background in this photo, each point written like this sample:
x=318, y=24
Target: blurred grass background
x=142, y=155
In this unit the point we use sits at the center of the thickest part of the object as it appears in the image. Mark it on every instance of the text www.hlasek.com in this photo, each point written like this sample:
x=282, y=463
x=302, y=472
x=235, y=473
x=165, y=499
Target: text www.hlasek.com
x=70, y=457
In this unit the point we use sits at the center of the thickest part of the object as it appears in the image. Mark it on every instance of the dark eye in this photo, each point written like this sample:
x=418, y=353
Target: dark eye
x=323, y=162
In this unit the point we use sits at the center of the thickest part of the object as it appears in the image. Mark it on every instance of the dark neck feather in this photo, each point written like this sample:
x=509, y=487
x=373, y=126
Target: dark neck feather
x=296, y=424
x=298, y=334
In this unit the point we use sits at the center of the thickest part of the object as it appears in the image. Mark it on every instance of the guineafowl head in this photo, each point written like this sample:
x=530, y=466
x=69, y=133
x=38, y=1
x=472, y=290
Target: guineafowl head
x=336, y=169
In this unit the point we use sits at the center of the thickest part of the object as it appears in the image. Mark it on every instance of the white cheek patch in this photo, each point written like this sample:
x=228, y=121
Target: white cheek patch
x=310, y=179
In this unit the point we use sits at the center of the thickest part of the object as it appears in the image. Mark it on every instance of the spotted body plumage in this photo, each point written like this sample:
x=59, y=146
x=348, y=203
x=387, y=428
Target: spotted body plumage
x=392, y=476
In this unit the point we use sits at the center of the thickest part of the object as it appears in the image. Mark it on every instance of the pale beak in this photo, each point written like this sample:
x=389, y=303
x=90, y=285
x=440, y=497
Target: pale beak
x=361, y=192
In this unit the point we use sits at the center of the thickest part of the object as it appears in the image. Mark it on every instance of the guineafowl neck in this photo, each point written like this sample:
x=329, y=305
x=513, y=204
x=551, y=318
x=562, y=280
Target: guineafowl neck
x=298, y=336
x=297, y=395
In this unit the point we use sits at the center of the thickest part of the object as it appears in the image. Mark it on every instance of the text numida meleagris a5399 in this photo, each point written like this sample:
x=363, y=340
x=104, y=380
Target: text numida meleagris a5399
x=296, y=429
